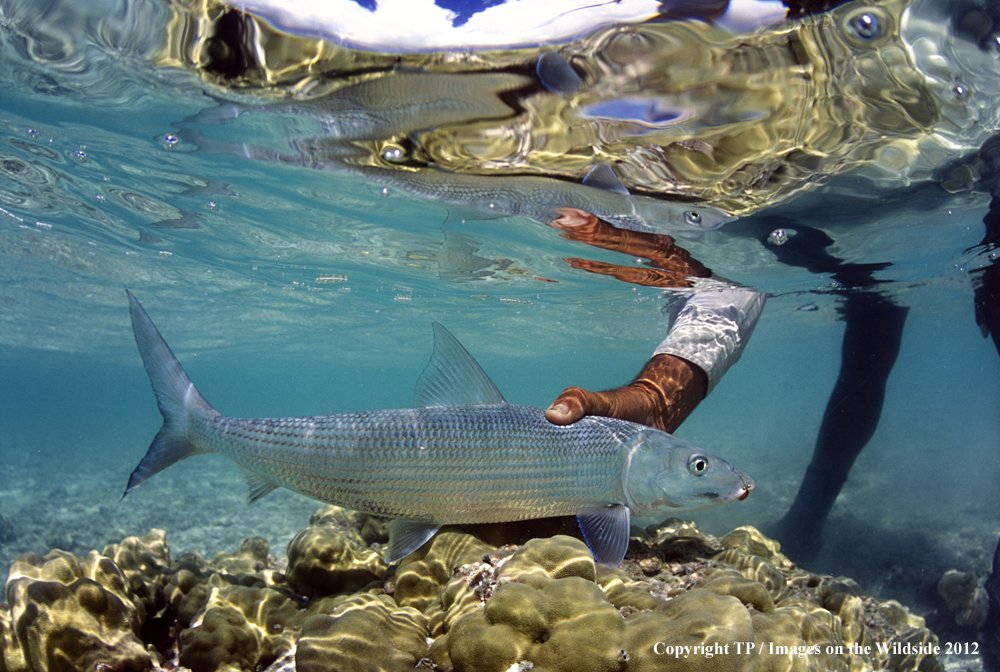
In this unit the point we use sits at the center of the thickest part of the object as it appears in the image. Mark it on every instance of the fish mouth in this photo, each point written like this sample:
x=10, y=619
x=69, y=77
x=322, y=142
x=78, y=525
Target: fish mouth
x=747, y=486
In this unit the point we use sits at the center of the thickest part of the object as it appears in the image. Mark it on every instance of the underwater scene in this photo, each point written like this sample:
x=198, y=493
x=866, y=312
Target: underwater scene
x=479, y=336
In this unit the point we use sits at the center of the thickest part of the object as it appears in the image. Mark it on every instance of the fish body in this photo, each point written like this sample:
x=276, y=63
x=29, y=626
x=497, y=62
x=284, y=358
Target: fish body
x=539, y=198
x=447, y=464
x=536, y=197
x=464, y=455
x=398, y=104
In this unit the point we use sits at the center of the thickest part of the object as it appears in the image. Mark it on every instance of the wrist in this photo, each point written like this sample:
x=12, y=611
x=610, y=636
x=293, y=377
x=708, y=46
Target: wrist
x=673, y=387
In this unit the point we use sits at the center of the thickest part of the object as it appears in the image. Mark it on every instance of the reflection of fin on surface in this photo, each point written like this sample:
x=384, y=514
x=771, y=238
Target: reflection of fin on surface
x=556, y=74
x=602, y=176
x=185, y=221
x=148, y=238
x=223, y=113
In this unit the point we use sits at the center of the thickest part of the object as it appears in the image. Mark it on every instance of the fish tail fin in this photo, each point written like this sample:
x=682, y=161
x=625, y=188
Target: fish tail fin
x=175, y=395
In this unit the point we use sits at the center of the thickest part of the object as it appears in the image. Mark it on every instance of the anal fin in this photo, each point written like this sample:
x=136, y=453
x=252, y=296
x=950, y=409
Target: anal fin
x=605, y=528
x=258, y=486
x=406, y=536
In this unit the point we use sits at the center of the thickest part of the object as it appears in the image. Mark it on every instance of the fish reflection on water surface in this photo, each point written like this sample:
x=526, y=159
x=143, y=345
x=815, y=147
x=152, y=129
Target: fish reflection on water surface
x=684, y=112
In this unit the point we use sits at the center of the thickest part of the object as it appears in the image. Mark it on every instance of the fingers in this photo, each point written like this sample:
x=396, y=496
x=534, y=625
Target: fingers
x=663, y=395
x=574, y=219
x=636, y=275
x=573, y=404
x=581, y=226
x=564, y=413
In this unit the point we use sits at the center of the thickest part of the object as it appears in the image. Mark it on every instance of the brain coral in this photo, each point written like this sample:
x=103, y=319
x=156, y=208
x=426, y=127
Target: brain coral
x=240, y=628
x=68, y=614
x=144, y=561
x=323, y=561
x=464, y=602
x=363, y=633
x=569, y=624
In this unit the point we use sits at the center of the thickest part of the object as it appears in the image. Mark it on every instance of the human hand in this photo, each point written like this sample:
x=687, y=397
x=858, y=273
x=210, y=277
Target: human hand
x=662, y=396
x=668, y=266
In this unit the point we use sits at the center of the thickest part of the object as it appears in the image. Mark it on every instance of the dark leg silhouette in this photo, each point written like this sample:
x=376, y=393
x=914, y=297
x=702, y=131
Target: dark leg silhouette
x=991, y=629
x=987, y=301
x=874, y=328
x=873, y=331
x=987, y=280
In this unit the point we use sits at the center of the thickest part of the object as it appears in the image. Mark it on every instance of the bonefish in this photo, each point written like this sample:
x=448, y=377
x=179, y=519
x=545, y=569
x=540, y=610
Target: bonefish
x=464, y=455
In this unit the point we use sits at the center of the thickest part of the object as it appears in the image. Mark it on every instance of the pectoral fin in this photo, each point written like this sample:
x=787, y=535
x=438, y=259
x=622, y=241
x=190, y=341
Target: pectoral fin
x=605, y=528
x=406, y=536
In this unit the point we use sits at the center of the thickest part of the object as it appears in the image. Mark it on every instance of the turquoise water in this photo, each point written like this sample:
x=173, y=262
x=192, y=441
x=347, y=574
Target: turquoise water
x=302, y=292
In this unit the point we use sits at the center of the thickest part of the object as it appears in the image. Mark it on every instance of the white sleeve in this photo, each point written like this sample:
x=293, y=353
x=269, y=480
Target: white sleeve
x=711, y=326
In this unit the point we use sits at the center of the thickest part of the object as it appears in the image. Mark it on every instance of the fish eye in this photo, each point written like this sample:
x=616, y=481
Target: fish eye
x=692, y=217
x=864, y=26
x=698, y=465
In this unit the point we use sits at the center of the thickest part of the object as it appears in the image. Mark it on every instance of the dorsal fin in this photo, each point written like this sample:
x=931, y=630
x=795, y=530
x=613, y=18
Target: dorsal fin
x=602, y=176
x=453, y=377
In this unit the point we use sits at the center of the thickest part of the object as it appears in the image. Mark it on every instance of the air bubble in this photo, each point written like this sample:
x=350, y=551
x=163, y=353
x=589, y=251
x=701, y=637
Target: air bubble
x=32, y=133
x=170, y=140
x=385, y=191
x=80, y=155
x=100, y=198
x=212, y=205
x=778, y=237
x=961, y=93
